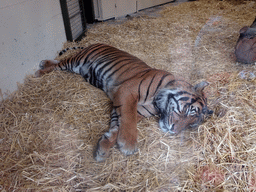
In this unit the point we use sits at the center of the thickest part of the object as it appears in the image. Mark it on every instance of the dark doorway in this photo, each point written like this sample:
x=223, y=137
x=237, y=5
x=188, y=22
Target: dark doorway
x=89, y=11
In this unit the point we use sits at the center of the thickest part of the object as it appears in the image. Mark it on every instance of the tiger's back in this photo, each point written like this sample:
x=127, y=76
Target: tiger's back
x=103, y=66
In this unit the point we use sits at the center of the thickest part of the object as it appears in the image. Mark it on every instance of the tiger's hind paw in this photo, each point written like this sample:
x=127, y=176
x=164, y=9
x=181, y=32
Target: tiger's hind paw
x=42, y=64
x=39, y=73
x=48, y=63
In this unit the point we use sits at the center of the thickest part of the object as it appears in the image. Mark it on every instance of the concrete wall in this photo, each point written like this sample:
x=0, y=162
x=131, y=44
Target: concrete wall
x=30, y=31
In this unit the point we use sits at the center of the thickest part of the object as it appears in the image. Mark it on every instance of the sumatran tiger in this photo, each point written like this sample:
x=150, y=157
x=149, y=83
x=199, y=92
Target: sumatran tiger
x=136, y=91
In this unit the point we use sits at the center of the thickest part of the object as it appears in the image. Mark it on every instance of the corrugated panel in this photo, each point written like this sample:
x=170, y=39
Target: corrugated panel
x=76, y=22
x=76, y=26
x=74, y=18
x=73, y=7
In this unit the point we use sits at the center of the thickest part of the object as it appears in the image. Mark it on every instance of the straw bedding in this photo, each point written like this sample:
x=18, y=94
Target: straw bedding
x=49, y=127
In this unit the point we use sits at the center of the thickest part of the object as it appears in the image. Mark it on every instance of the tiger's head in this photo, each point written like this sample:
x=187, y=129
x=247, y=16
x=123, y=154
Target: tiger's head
x=181, y=107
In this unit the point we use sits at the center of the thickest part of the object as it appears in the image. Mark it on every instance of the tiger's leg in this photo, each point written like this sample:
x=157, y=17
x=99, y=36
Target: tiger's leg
x=127, y=135
x=108, y=139
x=46, y=66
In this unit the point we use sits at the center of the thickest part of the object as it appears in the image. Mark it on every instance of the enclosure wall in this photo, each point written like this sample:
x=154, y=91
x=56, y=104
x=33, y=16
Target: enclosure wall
x=106, y=9
x=31, y=30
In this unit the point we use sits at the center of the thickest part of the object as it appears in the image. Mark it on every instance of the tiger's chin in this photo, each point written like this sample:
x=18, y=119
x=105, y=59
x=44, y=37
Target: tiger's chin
x=180, y=125
x=171, y=128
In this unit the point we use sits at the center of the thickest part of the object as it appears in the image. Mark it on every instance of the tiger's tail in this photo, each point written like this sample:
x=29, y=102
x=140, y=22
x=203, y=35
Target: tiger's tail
x=69, y=48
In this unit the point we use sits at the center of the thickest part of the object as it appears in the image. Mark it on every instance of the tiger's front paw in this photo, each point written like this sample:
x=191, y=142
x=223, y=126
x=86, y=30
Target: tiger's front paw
x=127, y=144
x=43, y=64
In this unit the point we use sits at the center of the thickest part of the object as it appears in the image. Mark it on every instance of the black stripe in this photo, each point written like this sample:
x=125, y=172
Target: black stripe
x=171, y=82
x=117, y=70
x=121, y=82
x=128, y=69
x=146, y=71
x=59, y=66
x=92, y=49
x=115, y=116
x=71, y=63
x=184, y=99
x=108, y=56
x=114, y=120
x=148, y=111
x=149, y=87
x=92, y=79
x=115, y=107
x=139, y=89
x=101, y=54
x=109, y=61
x=116, y=63
x=182, y=92
x=171, y=96
x=80, y=56
x=178, y=106
x=201, y=103
x=192, y=101
x=177, y=113
x=140, y=114
x=77, y=58
x=160, y=82
x=105, y=136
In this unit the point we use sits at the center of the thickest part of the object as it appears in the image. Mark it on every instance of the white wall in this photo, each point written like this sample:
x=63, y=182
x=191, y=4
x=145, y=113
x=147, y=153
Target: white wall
x=106, y=9
x=30, y=31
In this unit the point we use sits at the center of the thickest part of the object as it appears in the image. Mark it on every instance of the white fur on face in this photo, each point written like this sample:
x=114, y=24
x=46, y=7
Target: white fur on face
x=166, y=128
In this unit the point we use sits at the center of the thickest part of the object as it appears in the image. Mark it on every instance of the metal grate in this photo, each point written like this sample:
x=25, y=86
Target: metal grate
x=74, y=18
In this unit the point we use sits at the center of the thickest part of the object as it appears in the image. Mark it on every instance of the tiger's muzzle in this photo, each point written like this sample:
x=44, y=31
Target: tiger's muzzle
x=175, y=123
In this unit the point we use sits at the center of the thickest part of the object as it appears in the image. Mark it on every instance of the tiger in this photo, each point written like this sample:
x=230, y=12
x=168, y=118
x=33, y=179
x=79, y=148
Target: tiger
x=136, y=91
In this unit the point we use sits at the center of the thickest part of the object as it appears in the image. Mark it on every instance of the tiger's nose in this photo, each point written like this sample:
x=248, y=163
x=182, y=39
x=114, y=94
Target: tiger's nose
x=204, y=110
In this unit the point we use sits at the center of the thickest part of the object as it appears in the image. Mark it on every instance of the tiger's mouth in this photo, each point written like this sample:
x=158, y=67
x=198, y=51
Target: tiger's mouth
x=168, y=124
x=164, y=125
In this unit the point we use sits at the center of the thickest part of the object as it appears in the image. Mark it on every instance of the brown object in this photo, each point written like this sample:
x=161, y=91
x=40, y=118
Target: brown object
x=246, y=45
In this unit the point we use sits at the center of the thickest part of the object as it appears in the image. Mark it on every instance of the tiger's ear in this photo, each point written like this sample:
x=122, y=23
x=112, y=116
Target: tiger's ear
x=200, y=86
